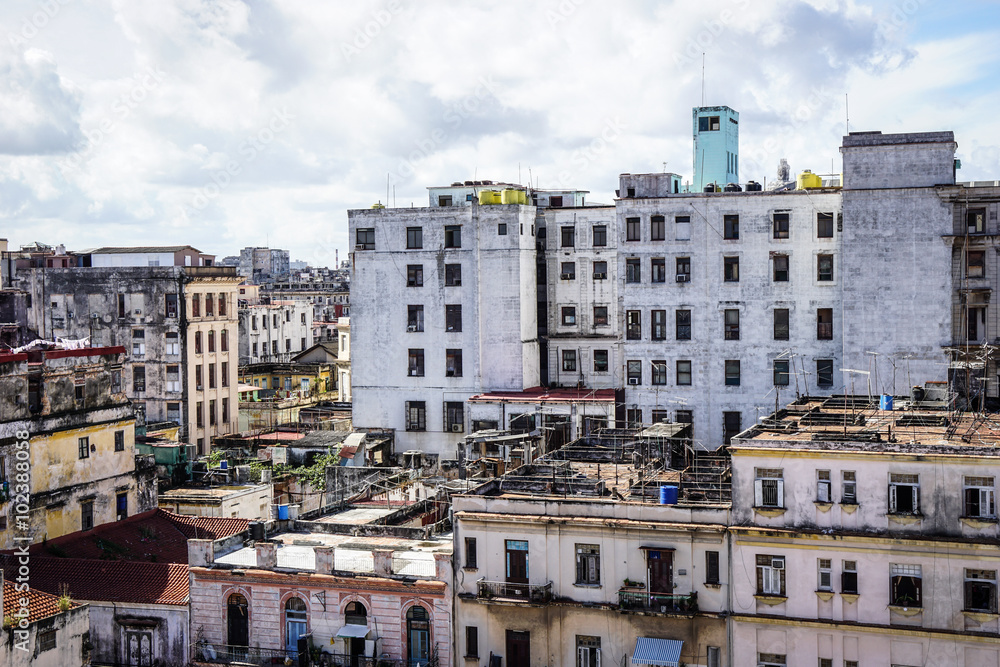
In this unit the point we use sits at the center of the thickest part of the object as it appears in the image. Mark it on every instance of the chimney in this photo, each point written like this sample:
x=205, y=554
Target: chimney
x=267, y=555
x=201, y=553
x=324, y=559
x=383, y=562
x=442, y=568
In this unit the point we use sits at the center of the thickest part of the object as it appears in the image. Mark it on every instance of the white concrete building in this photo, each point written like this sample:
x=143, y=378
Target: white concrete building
x=863, y=536
x=344, y=358
x=274, y=332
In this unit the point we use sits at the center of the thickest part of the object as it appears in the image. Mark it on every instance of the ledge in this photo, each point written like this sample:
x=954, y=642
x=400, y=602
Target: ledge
x=905, y=611
x=822, y=506
x=905, y=519
x=980, y=616
x=770, y=511
x=977, y=522
x=825, y=596
x=715, y=584
x=850, y=598
x=771, y=600
x=850, y=508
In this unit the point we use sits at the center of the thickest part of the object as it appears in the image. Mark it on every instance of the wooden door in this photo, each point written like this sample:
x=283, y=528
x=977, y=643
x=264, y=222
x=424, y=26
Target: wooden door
x=660, y=566
x=518, y=649
x=517, y=562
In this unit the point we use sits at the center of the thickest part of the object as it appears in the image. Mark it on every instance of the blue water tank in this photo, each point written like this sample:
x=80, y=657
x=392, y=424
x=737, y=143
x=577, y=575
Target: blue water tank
x=283, y=512
x=668, y=494
x=885, y=402
x=224, y=464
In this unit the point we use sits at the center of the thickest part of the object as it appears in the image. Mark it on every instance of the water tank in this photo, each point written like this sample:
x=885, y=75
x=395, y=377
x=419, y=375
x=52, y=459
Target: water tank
x=512, y=196
x=378, y=205
x=711, y=187
x=916, y=394
x=668, y=494
x=754, y=186
x=224, y=464
x=257, y=532
x=732, y=187
x=885, y=402
x=487, y=197
x=282, y=512
x=293, y=511
x=807, y=179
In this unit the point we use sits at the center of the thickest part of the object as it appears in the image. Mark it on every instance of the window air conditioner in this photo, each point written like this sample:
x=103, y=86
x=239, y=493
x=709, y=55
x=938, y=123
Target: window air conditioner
x=456, y=428
x=600, y=276
x=360, y=246
x=411, y=327
x=567, y=276
x=413, y=372
x=778, y=563
x=682, y=277
x=633, y=380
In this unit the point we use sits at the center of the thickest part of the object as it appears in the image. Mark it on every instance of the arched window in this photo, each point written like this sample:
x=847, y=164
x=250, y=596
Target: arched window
x=418, y=635
x=295, y=623
x=237, y=618
x=356, y=614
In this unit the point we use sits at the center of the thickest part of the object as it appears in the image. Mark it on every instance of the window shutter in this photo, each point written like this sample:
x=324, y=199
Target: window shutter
x=973, y=502
x=760, y=579
x=892, y=497
x=917, y=584
x=597, y=657
x=581, y=653
x=780, y=484
x=823, y=494
x=758, y=493
x=916, y=499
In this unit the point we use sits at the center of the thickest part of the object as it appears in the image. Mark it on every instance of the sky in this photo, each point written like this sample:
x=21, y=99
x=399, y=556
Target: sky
x=223, y=124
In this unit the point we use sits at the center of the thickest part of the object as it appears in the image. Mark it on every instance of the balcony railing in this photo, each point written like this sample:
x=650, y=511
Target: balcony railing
x=225, y=654
x=824, y=331
x=502, y=590
x=657, y=602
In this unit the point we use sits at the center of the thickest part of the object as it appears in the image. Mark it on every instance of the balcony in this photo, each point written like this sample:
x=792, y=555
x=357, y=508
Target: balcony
x=503, y=591
x=224, y=654
x=661, y=603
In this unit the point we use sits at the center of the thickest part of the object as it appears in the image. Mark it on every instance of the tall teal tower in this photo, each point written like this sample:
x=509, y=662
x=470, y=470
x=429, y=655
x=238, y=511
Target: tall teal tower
x=716, y=147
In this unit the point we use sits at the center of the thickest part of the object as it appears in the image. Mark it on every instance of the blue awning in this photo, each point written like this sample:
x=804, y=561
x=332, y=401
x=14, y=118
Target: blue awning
x=660, y=652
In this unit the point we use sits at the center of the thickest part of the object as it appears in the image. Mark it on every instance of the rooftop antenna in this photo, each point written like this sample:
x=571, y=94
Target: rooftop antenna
x=847, y=115
x=702, y=78
x=386, y=187
x=664, y=167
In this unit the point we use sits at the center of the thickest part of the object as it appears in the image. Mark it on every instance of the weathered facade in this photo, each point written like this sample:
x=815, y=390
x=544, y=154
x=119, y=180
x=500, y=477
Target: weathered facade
x=52, y=636
x=274, y=332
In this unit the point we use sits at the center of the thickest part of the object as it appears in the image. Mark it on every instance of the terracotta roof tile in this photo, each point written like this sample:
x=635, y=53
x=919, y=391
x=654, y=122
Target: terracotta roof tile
x=41, y=605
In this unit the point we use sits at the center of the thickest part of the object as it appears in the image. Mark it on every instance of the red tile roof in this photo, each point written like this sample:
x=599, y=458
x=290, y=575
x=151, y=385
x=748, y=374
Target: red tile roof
x=40, y=605
x=545, y=394
x=103, y=580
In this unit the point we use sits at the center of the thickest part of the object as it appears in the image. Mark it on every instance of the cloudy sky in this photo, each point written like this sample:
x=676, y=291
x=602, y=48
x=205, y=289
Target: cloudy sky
x=224, y=123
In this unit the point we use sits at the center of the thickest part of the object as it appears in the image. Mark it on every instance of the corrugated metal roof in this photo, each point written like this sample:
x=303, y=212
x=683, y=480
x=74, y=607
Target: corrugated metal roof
x=660, y=652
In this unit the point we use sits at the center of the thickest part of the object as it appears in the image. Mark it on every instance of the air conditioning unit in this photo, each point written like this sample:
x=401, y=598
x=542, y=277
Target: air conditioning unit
x=411, y=327
x=633, y=380
x=600, y=276
x=360, y=246
x=456, y=428
x=683, y=277
x=449, y=373
x=413, y=372
x=138, y=311
x=778, y=563
x=567, y=276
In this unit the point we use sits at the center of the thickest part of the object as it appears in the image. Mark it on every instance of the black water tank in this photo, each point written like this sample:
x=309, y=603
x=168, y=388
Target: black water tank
x=732, y=187
x=754, y=186
x=711, y=187
x=257, y=533
x=916, y=394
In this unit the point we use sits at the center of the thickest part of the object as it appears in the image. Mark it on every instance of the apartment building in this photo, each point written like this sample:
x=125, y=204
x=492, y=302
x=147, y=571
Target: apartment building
x=274, y=331
x=569, y=561
x=263, y=264
x=178, y=321
x=865, y=534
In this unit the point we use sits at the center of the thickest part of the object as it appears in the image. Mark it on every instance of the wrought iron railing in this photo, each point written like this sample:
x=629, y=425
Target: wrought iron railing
x=661, y=602
x=225, y=653
x=533, y=593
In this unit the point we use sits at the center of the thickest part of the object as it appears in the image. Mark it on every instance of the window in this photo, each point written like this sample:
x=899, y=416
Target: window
x=453, y=236
x=634, y=371
x=600, y=361
x=198, y=382
x=824, y=225
x=588, y=564
x=416, y=416
x=781, y=372
x=849, y=488
x=826, y=662
x=471, y=555
x=684, y=416
x=121, y=505
x=453, y=318
x=195, y=305
x=225, y=410
x=633, y=270
x=714, y=656
x=568, y=271
x=502, y=229
x=780, y=268
x=731, y=318
x=824, y=324
x=197, y=342
x=770, y=575
x=981, y=591
x=824, y=487
x=732, y=372
x=633, y=418
x=453, y=363
x=658, y=270
x=568, y=315
x=600, y=236
x=569, y=360
x=224, y=341
x=824, y=267
x=633, y=325
x=172, y=344
x=171, y=305
x=682, y=227
x=414, y=238
x=781, y=225
x=849, y=577
x=138, y=342
x=824, y=571
x=708, y=124
x=712, y=567
x=471, y=641
x=211, y=412
x=568, y=237
x=86, y=514
x=683, y=269
x=414, y=275
x=454, y=417
x=769, y=487
x=199, y=412
x=682, y=320
x=211, y=341
x=824, y=373
x=415, y=363
x=588, y=651
x=253, y=322
x=771, y=660
x=632, y=230
x=904, y=493
x=364, y=238
x=905, y=584
x=975, y=266
x=138, y=379
x=659, y=373
x=46, y=639
x=657, y=231
x=600, y=270
x=660, y=416
x=731, y=269
x=976, y=220
x=209, y=305
x=781, y=324
x=452, y=275
x=83, y=447
x=731, y=227
x=222, y=305
x=211, y=376
x=600, y=316
x=415, y=318
x=979, y=498
x=274, y=321
x=119, y=441
x=684, y=372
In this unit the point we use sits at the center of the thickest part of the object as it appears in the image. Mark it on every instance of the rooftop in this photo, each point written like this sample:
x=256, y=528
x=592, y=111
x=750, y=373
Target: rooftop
x=40, y=605
x=139, y=249
x=546, y=394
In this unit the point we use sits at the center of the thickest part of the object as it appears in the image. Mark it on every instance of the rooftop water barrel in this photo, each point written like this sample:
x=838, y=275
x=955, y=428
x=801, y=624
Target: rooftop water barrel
x=512, y=196
x=379, y=205
x=711, y=187
x=807, y=179
x=754, y=186
x=283, y=512
x=732, y=187
x=885, y=402
x=293, y=511
x=257, y=531
x=486, y=197
x=224, y=465
x=668, y=494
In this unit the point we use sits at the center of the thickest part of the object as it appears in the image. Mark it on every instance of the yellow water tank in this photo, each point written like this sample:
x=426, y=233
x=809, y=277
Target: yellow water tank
x=487, y=197
x=380, y=205
x=512, y=196
x=807, y=179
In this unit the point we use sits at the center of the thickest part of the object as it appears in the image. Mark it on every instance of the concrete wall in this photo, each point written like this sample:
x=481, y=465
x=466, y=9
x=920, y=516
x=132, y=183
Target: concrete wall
x=71, y=631
x=167, y=624
x=258, y=331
